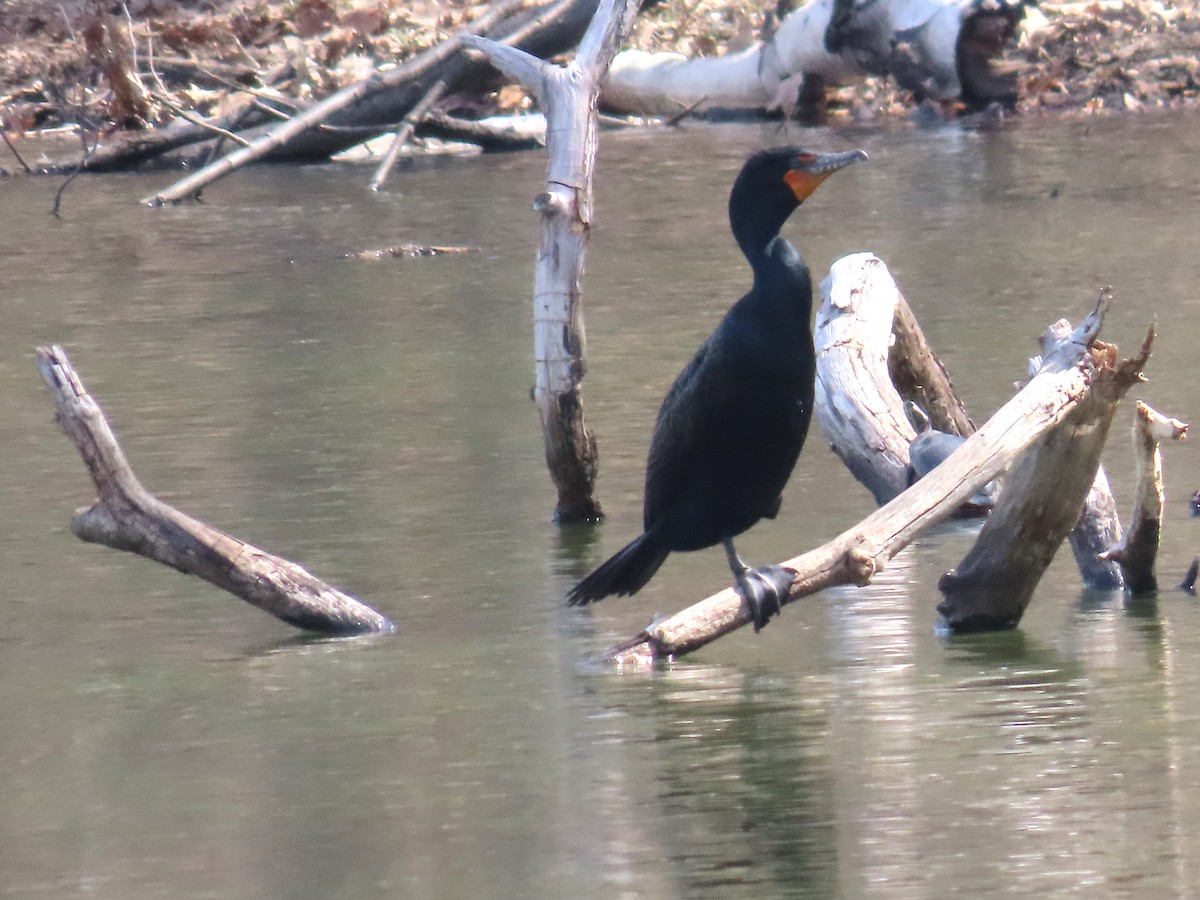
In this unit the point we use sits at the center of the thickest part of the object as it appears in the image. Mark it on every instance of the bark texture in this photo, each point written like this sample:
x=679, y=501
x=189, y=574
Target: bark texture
x=1137, y=553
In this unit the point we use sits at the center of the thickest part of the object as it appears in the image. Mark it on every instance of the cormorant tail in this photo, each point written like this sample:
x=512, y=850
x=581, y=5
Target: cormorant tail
x=625, y=573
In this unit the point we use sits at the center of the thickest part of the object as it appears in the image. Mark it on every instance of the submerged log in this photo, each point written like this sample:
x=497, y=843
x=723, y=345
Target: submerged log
x=1079, y=375
x=125, y=516
x=1138, y=551
x=568, y=95
x=939, y=49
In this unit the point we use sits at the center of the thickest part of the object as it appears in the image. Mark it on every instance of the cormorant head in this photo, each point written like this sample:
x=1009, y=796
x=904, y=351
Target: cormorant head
x=772, y=184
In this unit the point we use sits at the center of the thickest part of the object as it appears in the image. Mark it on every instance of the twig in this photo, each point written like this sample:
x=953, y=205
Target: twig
x=198, y=120
x=259, y=103
x=404, y=132
x=75, y=173
x=674, y=120
x=12, y=147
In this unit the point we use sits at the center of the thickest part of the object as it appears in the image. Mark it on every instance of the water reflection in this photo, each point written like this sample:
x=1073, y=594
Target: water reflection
x=742, y=791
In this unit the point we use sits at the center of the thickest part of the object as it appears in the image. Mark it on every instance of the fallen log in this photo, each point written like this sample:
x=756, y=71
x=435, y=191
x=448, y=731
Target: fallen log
x=1137, y=553
x=939, y=49
x=568, y=95
x=1080, y=372
x=125, y=516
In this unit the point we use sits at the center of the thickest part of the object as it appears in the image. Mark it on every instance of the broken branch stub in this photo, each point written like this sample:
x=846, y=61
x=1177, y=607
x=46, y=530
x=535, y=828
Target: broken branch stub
x=1137, y=552
x=125, y=516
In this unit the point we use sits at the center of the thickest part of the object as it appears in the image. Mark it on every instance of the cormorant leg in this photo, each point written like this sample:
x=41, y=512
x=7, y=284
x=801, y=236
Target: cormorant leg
x=764, y=589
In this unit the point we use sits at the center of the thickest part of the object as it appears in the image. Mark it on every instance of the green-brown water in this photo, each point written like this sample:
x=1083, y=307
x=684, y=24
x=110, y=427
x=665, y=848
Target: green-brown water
x=372, y=421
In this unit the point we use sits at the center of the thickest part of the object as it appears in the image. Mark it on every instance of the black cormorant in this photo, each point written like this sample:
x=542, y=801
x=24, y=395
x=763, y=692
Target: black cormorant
x=731, y=427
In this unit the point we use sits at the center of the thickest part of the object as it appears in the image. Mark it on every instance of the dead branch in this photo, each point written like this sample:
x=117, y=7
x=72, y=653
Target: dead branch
x=1136, y=554
x=126, y=516
x=374, y=105
x=1042, y=498
x=404, y=132
x=319, y=112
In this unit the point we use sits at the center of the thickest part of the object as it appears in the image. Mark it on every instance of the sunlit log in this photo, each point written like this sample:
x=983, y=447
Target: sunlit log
x=1136, y=554
x=125, y=516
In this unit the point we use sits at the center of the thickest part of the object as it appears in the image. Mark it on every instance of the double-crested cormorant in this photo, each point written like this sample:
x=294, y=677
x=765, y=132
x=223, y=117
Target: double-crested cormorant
x=731, y=427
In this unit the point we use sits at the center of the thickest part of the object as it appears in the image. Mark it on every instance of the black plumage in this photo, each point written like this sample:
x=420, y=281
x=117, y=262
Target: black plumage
x=732, y=425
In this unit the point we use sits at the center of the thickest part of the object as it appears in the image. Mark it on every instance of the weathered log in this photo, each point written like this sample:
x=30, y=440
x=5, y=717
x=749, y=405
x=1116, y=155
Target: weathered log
x=919, y=376
x=1099, y=525
x=1138, y=551
x=857, y=554
x=125, y=516
x=568, y=95
x=1043, y=494
x=939, y=49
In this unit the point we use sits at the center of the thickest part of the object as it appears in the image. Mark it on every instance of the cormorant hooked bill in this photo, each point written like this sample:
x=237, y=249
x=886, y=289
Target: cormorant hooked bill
x=731, y=427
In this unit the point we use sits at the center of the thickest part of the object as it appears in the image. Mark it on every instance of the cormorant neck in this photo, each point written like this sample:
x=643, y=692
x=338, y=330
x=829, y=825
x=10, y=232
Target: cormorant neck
x=756, y=221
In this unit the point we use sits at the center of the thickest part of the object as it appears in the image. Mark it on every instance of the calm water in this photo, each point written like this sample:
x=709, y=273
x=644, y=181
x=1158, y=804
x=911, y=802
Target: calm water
x=160, y=739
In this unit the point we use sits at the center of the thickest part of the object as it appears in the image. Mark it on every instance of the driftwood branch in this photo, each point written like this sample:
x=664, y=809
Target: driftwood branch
x=1079, y=369
x=125, y=516
x=568, y=95
x=319, y=112
x=1041, y=500
x=1137, y=553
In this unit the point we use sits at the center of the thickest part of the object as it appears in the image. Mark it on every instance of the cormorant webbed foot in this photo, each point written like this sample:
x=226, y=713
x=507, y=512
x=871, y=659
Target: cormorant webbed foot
x=764, y=590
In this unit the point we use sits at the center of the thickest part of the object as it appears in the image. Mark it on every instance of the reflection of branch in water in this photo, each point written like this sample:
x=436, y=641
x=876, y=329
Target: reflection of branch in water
x=743, y=788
